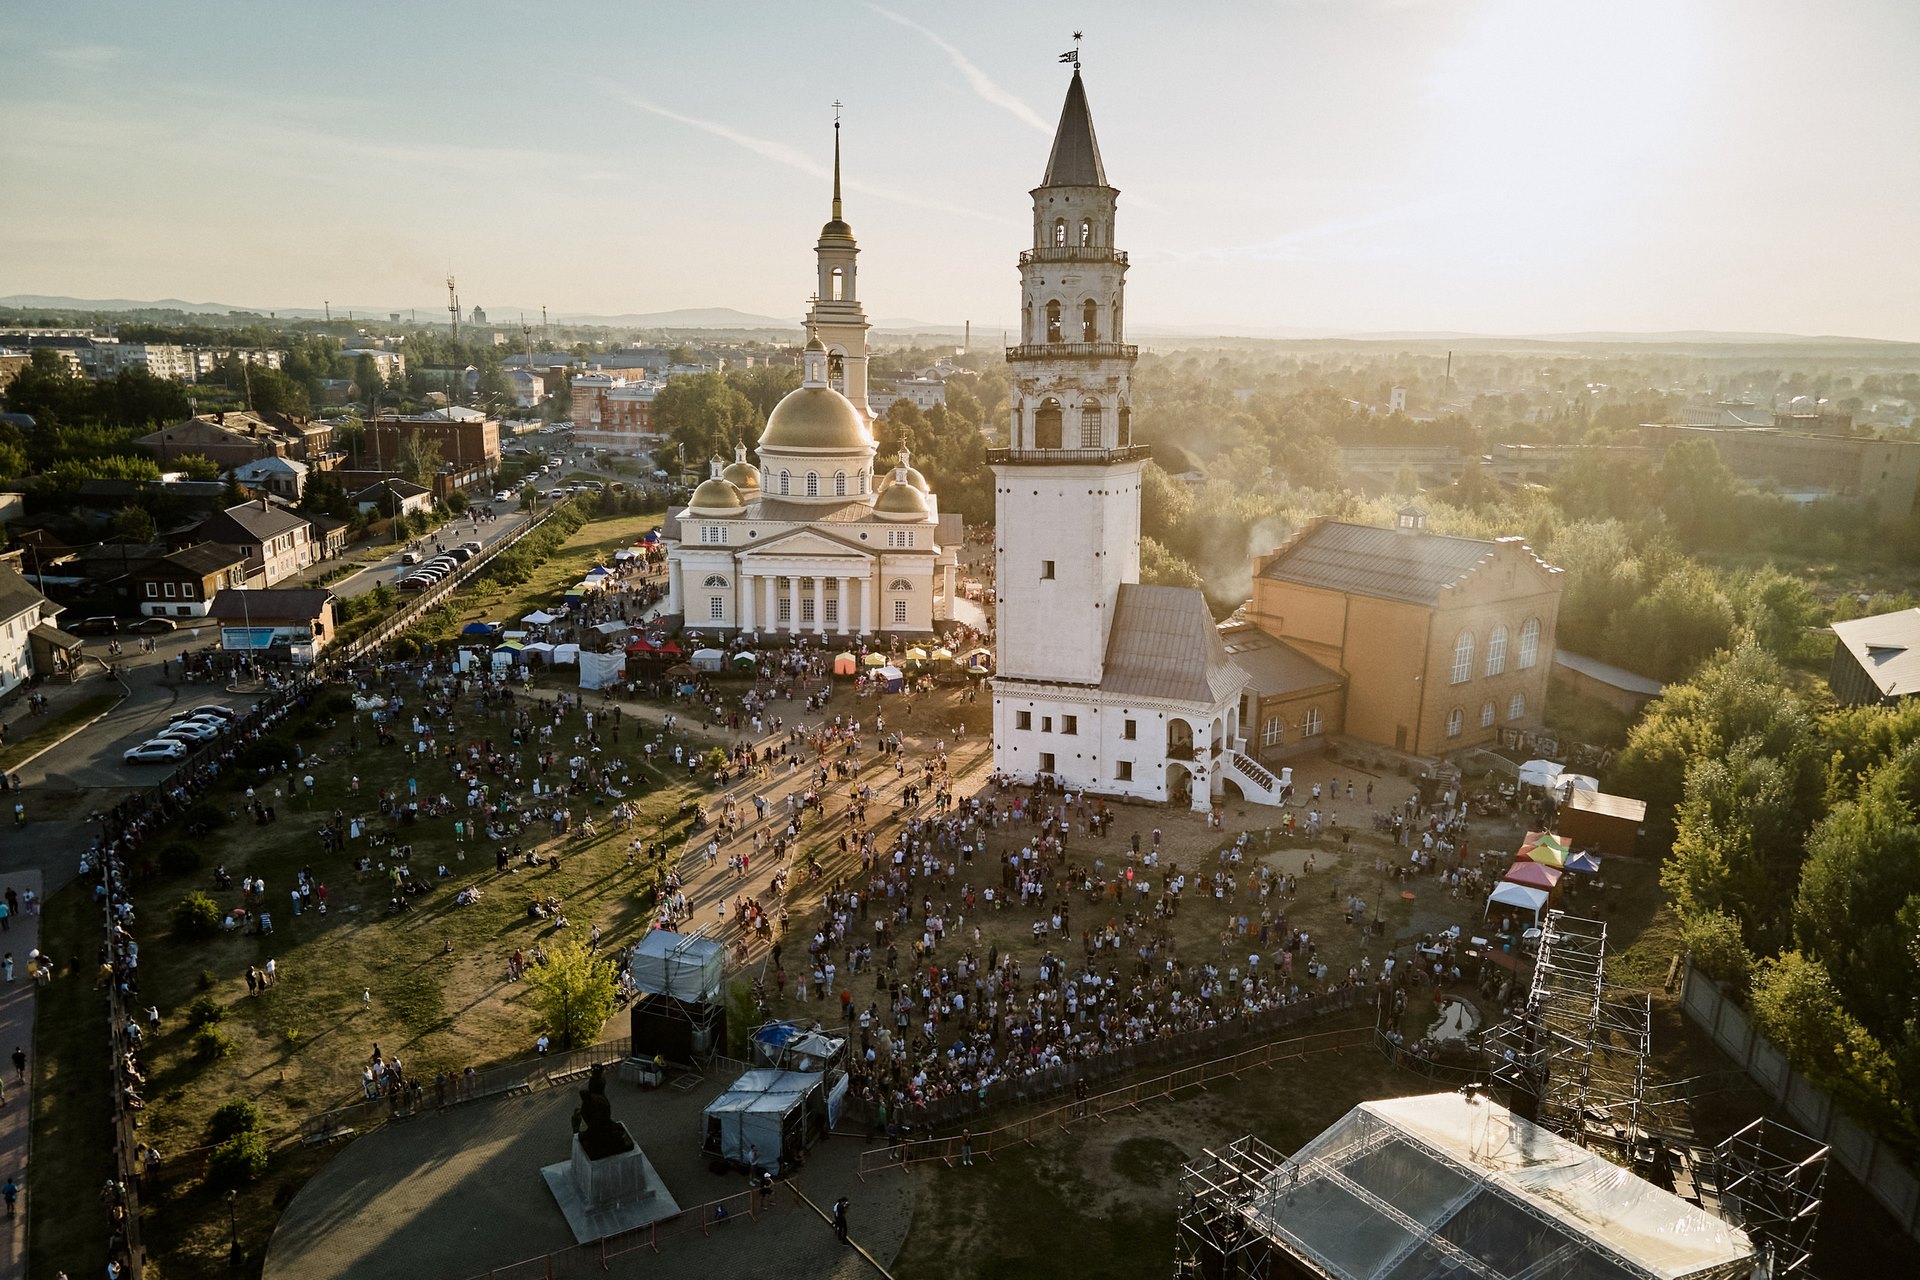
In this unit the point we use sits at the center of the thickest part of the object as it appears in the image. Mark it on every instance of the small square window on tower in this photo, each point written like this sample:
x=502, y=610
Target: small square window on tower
x=1046, y=569
x=1023, y=719
x=1123, y=770
x=1130, y=731
x=1069, y=724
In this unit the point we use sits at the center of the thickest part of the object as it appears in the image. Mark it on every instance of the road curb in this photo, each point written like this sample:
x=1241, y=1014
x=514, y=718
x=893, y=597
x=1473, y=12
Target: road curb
x=78, y=729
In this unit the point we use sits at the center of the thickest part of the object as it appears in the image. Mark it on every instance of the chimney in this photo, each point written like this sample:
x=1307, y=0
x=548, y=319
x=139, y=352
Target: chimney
x=263, y=503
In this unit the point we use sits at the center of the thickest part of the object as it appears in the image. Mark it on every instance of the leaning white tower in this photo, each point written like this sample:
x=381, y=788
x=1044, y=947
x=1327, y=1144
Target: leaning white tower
x=1068, y=486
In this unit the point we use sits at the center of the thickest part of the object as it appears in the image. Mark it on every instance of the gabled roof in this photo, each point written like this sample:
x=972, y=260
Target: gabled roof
x=204, y=558
x=260, y=466
x=1075, y=161
x=1273, y=666
x=1164, y=645
x=255, y=605
x=1887, y=647
x=260, y=523
x=17, y=595
x=401, y=488
x=1370, y=561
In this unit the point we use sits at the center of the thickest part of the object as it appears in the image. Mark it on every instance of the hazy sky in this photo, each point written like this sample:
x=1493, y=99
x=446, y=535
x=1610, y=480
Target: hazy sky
x=1485, y=165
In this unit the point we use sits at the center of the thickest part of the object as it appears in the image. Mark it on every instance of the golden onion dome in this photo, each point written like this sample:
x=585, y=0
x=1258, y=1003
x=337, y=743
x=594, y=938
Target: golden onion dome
x=815, y=418
x=901, y=499
x=743, y=476
x=716, y=497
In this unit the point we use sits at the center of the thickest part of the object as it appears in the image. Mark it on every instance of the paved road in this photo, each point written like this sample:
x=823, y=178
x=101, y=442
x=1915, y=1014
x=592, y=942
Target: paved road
x=16, y=1029
x=388, y=568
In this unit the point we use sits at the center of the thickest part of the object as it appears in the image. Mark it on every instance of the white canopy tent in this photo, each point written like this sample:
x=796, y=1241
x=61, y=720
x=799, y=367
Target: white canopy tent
x=1576, y=782
x=612, y=628
x=566, y=653
x=763, y=1119
x=1540, y=773
x=538, y=618
x=1519, y=897
x=684, y=966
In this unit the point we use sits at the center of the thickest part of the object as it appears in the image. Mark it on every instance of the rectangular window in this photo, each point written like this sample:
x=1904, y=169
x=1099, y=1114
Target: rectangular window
x=1123, y=770
x=713, y=533
x=1069, y=724
x=1270, y=731
x=1130, y=731
x=167, y=590
x=899, y=537
x=1046, y=724
x=1023, y=719
x=786, y=609
x=900, y=612
x=1046, y=762
x=717, y=608
x=1046, y=570
x=833, y=609
x=806, y=610
x=153, y=591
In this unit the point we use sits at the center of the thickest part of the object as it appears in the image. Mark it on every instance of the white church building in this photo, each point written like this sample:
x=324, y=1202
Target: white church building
x=807, y=539
x=1103, y=684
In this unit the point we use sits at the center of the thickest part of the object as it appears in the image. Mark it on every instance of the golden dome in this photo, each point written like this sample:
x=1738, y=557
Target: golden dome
x=902, y=499
x=912, y=476
x=743, y=476
x=815, y=418
x=715, y=497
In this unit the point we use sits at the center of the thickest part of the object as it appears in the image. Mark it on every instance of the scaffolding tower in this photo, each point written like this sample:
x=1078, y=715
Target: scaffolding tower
x=1771, y=1179
x=1219, y=1235
x=1575, y=1059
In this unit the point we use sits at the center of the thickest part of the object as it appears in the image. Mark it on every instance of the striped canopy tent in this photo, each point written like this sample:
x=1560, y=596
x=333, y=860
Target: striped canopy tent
x=845, y=664
x=874, y=660
x=1534, y=875
x=1546, y=855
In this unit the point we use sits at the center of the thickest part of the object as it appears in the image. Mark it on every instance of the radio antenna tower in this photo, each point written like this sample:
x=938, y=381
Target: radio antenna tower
x=453, y=308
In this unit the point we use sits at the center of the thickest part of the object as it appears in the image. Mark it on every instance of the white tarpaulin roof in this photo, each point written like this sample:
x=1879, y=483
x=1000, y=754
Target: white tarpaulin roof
x=566, y=653
x=538, y=618
x=611, y=628
x=1577, y=782
x=1373, y=1196
x=600, y=670
x=1540, y=773
x=678, y=965
x=755, y=1114
x=1523, y=897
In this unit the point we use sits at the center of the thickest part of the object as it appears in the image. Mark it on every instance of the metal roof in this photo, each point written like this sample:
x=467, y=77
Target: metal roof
x=1607, y=673
x=1164, y=645
x=1887, y=647
x=17, y=595
x=1370, y=561
x=1274, y=666
x=1075, y=161
x=1606, y=805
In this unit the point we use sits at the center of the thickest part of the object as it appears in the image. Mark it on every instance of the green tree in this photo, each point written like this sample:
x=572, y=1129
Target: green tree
x=1696, y=493
x=195, y=466
x=1162, y=568
x=1672, y=629
x=573, y=993
x=417, y=459
x=134, y=523
x=1738, y=842
x=1797, y=1005
x=704, y=417
x=1779, y=610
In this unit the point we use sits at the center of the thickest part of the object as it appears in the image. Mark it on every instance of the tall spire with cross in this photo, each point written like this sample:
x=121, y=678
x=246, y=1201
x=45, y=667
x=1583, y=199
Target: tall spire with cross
x=836, y=160
x=834, y=313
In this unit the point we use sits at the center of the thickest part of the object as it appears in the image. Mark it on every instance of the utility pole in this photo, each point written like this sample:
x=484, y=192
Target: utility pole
x=329, y=310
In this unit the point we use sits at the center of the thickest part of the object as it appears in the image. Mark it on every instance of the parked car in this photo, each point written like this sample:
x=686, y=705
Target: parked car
x=187, y=731
x=229, y=714
x=155, y=752
x=411, y=557
x=154, y=626
x=101, y=626
x=461, y=555
x=505, y=495
x=475, y=547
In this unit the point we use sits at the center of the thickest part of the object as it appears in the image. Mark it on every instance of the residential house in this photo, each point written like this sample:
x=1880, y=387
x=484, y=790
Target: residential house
x=299, y=621
x=184, y=583
x=278, y=543
x=23, y=610
x=411, y=499
x=1876, y=659
x=281, y=477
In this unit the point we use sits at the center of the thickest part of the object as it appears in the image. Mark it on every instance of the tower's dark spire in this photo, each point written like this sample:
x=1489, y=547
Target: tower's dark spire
x=1075, y=161
x=836, y=162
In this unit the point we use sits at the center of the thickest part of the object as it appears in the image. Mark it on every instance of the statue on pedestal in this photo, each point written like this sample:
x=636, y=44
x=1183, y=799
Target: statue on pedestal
x=599, y=1133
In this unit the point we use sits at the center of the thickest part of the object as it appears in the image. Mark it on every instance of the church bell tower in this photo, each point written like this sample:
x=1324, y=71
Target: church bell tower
x=836, y=315
x=1067, y=487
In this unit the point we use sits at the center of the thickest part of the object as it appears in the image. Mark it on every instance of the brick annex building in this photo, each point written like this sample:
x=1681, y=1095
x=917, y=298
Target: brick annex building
x=1421, y=642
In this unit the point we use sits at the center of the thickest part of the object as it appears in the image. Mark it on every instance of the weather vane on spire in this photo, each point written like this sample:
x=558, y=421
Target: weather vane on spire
x=836, y=113
x=1073, y=55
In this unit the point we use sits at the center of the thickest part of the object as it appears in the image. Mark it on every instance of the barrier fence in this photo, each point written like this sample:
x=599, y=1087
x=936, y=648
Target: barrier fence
x=1126, y=1098
x=1874, y=1164
x=730, y=1213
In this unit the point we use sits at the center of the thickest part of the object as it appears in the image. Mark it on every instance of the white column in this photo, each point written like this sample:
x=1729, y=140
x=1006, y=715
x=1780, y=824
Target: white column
x=819, y=605
x=793, y=605
x=946, y=579
x=770, y=586
x=870, y=611
x=745, y=596
x=840, y=603
x=674, y=602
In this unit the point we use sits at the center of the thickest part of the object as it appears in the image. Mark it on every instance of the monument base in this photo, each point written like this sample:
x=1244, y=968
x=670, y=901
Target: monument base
x=607, y=1196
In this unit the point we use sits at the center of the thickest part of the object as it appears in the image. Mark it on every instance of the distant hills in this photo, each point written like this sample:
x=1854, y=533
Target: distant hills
x=727, y=319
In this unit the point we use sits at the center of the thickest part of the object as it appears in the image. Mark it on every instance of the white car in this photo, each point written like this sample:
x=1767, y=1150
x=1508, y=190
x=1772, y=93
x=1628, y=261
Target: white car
x=187, y=731
x=503, y=496
x=159, y=751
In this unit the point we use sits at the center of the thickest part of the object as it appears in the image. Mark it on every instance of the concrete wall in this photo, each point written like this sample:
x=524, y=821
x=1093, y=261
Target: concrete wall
x=1810, y=1108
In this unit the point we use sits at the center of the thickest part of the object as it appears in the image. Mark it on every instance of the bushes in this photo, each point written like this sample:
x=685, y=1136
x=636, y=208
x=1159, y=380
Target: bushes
x=212, y=1044
x=178, y=858
x=235, y=1118
x=237, y=1161
x=196, y=916
x=205, y=1011
x=333, y=702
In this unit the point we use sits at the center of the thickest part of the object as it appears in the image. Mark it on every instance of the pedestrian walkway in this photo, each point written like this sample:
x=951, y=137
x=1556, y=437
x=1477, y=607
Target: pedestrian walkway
x=21, y=937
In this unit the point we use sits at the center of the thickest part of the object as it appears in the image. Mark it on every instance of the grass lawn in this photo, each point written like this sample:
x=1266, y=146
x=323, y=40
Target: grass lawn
x=72, y=1110
x=36, y=733
x=592, y=543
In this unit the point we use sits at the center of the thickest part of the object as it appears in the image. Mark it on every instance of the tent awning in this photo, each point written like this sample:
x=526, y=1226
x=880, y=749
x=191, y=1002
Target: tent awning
x=538, y=618
x=1509, y=894
x=1535, y=875
x=1541, y=773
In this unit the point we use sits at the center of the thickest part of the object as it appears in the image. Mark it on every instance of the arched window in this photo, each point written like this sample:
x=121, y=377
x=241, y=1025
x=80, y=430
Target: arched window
x=1486, y=715
x=837, y=371
x=1090, y=424
x=715, y=580
x=813, y=484
x=1053, y=320
x=900, y=584
x=1046, y=425
x=1517, y=707
x=1060, y=232
x=836, y=285
x=1126, y=427
x=786, y=478
x=1089, y=321
x=1310, y=726
x=1463, y=658
x=1497, y=651
x=766, y=479
x=839, y=484
x=1529, y=643
x=1456, y=720
x=1086, y=232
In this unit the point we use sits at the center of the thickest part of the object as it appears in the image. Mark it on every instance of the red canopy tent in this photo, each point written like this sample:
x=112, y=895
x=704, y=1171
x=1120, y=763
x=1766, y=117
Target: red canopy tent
x=1534, y=875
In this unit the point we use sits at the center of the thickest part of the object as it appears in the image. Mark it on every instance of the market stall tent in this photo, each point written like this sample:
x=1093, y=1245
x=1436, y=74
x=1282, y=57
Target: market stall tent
x=845, y=664
x=1518, y=897
x=1535, y=875
x=708, y=659
x=539, y=618
x=1540, y=773
x=770, y=1115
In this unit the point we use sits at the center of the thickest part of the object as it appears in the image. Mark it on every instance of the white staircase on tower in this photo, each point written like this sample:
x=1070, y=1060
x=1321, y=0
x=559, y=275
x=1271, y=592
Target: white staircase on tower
x=1257, y=782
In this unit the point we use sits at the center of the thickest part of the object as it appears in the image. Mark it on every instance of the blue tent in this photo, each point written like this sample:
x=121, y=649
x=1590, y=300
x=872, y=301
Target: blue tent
x=480, y=629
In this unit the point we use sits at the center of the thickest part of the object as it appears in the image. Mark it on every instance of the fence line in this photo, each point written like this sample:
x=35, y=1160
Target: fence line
x=1127, y=1098
x=593, y=1258
x=1874, y=1164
